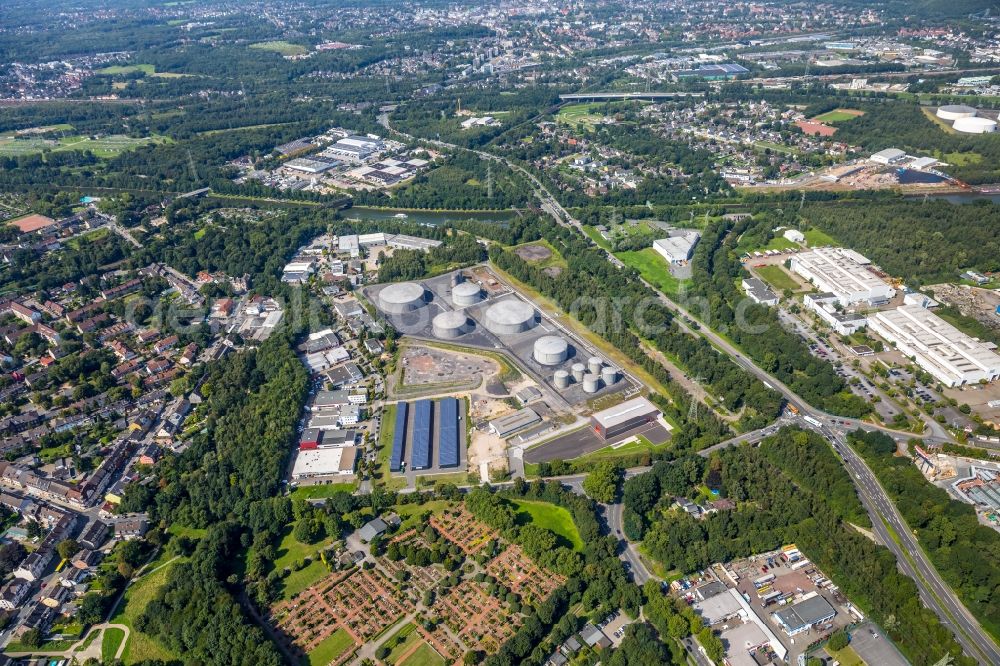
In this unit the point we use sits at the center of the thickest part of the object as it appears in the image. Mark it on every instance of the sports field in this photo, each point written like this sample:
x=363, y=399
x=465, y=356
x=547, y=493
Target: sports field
x=281, y=47
x=104, y=147
x=838, y=116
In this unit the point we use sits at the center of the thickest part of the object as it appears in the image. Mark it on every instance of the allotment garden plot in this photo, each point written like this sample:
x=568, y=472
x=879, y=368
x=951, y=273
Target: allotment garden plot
x=388, y=594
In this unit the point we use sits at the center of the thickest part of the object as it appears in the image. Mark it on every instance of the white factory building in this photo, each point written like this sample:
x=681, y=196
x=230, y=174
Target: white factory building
x=678, y=247
x=324, y=463
x=843, y=273
x=947, y=353
x=824, y=305
x=888, y=156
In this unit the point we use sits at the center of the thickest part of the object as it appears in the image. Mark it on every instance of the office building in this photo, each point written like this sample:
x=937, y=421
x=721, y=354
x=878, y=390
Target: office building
x=677, y=248
x=824, y=305
x=624, y=417
x=759, y=292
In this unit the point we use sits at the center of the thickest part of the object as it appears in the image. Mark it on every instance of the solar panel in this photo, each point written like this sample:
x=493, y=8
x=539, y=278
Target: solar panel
x=448, y=433
x=398, y=438
x=420, y=456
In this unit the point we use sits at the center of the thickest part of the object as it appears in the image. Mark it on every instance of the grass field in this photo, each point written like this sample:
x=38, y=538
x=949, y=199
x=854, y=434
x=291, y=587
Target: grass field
x=190, y=532
x=330, y=648
x=776, y=276
x=424, y=655
x=110, y=642
x=325, y=491
x=551, y=517
x=596, y=236
x=846, y=657
x=104, y=147
x=141, y=647
x=838, y=116
x=281, y=47
x=149, y=70
x=579, y=114
x=816, y=238
x=653, y=268
x=401, y=642
x=959, y=159
x=385, y=450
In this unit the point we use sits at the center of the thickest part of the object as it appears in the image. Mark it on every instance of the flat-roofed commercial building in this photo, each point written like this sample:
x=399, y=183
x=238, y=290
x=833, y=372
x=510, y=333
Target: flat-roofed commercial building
x=844, y=323
x=759, y=292
x=423, y=417
x=508, y=425
x=448, y=433
x=624, y=417
x=804, y=615
x=321, y=463
x=678, y=247
x=951, y=356
x=843, y=273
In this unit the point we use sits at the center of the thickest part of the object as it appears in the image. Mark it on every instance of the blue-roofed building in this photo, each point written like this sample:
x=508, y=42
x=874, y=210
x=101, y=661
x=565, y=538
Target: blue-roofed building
x=398, y=438
x=448, y=433
x=423, y=415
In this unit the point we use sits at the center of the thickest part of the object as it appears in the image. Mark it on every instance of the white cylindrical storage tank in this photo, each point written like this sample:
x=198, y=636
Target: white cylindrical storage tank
x=591, y=383
x=609, y=375
x=561, y=379
x=550, y=350
x=510, y=317
x=466, y=293
x=955, y=111
x=975, y=125
x=450, y=325
x=594, y=365
x=401, y=298
x=579, y=370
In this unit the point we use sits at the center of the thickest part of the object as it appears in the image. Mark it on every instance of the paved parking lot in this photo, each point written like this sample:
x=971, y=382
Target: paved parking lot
x=585, y=440
x=868, y=641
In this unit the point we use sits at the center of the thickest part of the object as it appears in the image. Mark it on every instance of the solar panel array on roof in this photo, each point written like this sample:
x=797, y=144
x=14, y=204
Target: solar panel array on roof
x=398, y=438
x=420, y=456
x=448, y=433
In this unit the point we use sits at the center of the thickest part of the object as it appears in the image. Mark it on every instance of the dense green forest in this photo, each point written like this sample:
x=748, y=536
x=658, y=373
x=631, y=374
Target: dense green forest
x=923, y=242
x=792, y=489
x=966, y=553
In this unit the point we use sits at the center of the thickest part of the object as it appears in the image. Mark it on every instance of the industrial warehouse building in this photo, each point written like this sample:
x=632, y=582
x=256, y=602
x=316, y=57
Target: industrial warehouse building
x=398, y=438
x=678, y=247
x=844, y=273
x=508, y=425
x=423, y=418
x=324, y=463
x=624, y=417
x=448, y=433
x=759, y=292
x=805, y=615
x=951, y=356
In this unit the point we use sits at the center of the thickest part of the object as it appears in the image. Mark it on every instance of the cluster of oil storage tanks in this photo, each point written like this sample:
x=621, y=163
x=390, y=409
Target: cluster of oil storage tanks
x=592, y=375
x=966, y=119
